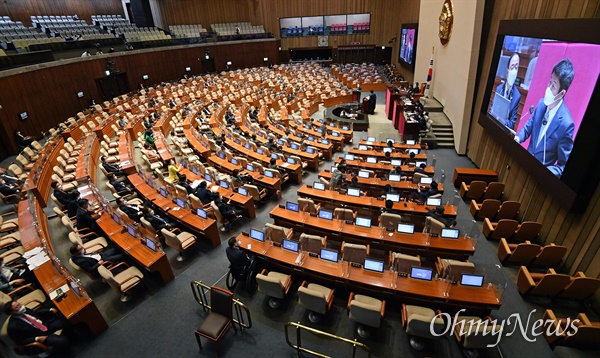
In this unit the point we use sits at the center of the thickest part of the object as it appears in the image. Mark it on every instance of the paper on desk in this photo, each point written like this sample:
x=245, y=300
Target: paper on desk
x=196, y=183
x=61, y=290
x=214, y=188
x=285, y=165
x=32, y=252
x=37, y=260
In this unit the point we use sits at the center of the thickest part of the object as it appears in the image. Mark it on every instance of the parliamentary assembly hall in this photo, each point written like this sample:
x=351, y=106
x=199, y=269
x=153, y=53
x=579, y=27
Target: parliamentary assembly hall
x=340, y=178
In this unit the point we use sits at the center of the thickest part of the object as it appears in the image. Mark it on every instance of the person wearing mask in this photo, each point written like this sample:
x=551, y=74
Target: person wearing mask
x=204, y=194
x=11, y=278
x=185, y=183
x=111, y=168
x=237, y=258
x=156, y=221
x=132, y=211
x=60, y=195
x=437, y=213
x=228, y=212
x=121, y=188
x=90, y=261
x=11, y=192
x=149, y=138
x=86, y=219
x=509, y=91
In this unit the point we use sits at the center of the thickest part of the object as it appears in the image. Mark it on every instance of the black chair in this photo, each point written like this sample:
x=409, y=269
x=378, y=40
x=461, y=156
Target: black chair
x=220, y=318
x=246, y=274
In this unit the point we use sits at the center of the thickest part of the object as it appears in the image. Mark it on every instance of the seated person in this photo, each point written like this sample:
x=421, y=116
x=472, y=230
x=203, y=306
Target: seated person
x=390, y=144
x=184, y=182
x=240, y=179
x=204, y=194
x=227, y=211
x=437, y=213
x=73, y=204
x=156, y=221
x=273, y=165
x=111, y=168
x=149, y=138
x=388, y=207
x=11, y=277
x=134, y=212
x=398, y=171
x=86, y=218
x=60, y=195
x=150, y=153
x=27, y=326
x=238, y=259
x=90, y=261
x=120, y=187
x=8, y=179
x=271, y=144
x=421, y=169
x=122, y=122
x=411, y=158
x=9, y=189
x=425, y=193
x=355, y=184
x=342, y=166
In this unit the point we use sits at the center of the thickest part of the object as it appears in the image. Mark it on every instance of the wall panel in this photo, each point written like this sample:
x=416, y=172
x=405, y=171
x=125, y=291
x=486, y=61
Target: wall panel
x=579, y=232
x=21, y=10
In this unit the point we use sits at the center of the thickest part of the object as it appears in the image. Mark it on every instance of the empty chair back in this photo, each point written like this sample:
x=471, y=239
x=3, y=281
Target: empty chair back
x=527, y=231
x=505, y=228
x=276, y=233
x=417, y=177
x=312, y=243
x=550, y=256
x=314, y=298
x=307, y=205
x=581, y=287
x=455, y=268
x=474, y=190
x=521, y=254
x=494, y=190
x=508, y=210
x=390, y=221
x=488, y=209
x=343, y=214
x=354, y=253
x=403, y=263
x=435, y=226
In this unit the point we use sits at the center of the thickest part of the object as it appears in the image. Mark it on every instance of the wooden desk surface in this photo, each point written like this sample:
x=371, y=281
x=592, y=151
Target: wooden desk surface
x=380, y=183
x=329, y=196
x=383, y=167
x=384, y=285
x=326, y=149
x=393, y=155
x=467, y=175
x=190, y=134
x=271, y=184
x=416, y=244
x=396, y=145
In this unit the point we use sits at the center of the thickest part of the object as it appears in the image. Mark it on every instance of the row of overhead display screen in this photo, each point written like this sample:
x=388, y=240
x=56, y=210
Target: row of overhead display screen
x=408, y=45
x=542, y=96
x=325, y=25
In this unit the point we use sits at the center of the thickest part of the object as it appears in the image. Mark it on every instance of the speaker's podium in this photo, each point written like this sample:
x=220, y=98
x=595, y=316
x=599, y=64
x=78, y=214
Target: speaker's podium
x=365, y=105
x=356, y=95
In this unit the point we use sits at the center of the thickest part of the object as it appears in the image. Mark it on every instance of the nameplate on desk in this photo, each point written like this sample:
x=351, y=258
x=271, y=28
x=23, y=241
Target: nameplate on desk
x=389, y=229
x=349, y=222
x=312, y=254
x=380, y=198
x=276, y=244
x=402, y=274
x=420, y=203
x=434, y=235
x=245, y=233
x=313, y=214
x=354, y=264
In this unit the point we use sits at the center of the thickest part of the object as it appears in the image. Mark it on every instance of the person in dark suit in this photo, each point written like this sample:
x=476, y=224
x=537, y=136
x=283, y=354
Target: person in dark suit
x=27, y=326
x=90, y=261
x=156, y=221
x=73, y=204
x=132, y=211
x=227, y=211
x=509, y=91
x=8, y=179
x=60, y=195
x=111, y=168
x=86, y=218
x=421, y=169
x=425, y=193
x=372, y=102
x=205, y=195
x=184, y=183
x=551, y=128
x=437, y=213
x=121, y=188
x=7, y=190
x=237, y=258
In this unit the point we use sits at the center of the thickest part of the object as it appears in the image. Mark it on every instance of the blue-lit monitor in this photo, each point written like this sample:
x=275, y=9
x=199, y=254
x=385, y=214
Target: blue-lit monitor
x=335, y=134
x=326, y=214
x=364, y=174
x=195, y=170
x=221, y=155
x=354, y=192
x=390, y=139
x=373, y=265
x=280, y=142
x=201, y=213
x=131, y=230
x=311, y=138
x=234, y=161
x=418, y=163
x=163, y=192
x=249, y=167
x=180, y=202
x=207, y=177
x=371, y=139
x=320, y=131
x=274, y=156
x=387, y=150
x=324, y=141
x=310, y=150
x=259, y=151
x=426, y=180
x=362, y=147
x=416, y=151
x=329, y=255
x=257, y=235
x=247, y=145
x=238, y=141
x=116, y=218
x=268, y=173
x=151, y=244
x=450, y=233
x=411, y=142
x=421, y=273
x=394, y=177
x=471, y=280
x=290, y=245
x=362, y=221
x=184, y=163
x=291, y=206
x=242, y=191
x=349, y=156
x=150, y=183
x=396, y=162
x=371, y=160
x=318, y=185
x=345, y=128
x=223, y=184
x=406, y=228
x=434, y=201
x=393, y=197
x=294, y=146
x=291, y=161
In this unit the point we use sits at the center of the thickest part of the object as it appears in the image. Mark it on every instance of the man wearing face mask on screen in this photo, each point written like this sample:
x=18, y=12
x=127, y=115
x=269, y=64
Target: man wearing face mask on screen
x=509, y=91
x=551, y=126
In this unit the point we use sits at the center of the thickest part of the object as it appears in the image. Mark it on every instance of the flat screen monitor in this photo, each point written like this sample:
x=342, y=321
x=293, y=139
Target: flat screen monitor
x=434, y=201
x=326, y=214
x=394, y=177
x=180, y=202
x=257, y=235
x=354, y=192
x=280, y=142
x=373, y=265
x=223, y=184
x=408, y=45
x=387, y=140
x=234, y=161
x=406, y=228
x=311, y=138
x=345, y=128
x=163, y=192
x=201, y=213
x=362, y=147
x=274, y=156
x=411, y=142
x=310, y=150
x=307, y=126
x=415, y=151
x=369, y=143
x=450, y=233
x=393, y=197
x=387, y=150
x=150, y=183
x=290, y=245
x=320, y=131
x=249, y=167
x=421, y=273
x=419, y=162
x=116, y=218
x=259, y=151
x=291, y=206
x=324, y=141
x=318, y=185
x=362, y=221
x=396, y=162
x=268, y=173
x=238, y=141
x=195, y=170
x=426, y=180
x=329, y=255
x=372, y=160
x=207, y=177
x=291, y=161
x=151, y=244
x=335, y=134
x=221, y=155
x=184, y=164
x=471, y=280
x=371, y=139
x=363, y=174
x=349, y=156
x=242, y=191
x=247, y=145
x=294, y=146
x=131, y=230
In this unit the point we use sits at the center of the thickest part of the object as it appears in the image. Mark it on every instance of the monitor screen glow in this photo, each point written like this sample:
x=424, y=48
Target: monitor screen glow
x=201, y=213
x=434, y=201
x=471, y=280
x=326, y=214
x=396, y=162
x=394, y=177
x=415, y=151
x=257, y=235
x=354, y=192
x=223, y=184
x=373, y=265
x=349, y=156
x=291, y=206
x=421, y=273
x=268, y=174
x=450, y=233
x=362, y=221
x=371, y=139
x=411, y=142
x=393, y=197
x=180, y=202
x=249, y=168
x=372, y=160
x=151, y=244
x=406, y=228
x=242, y=191
x=318, y=185
x=363, y=174
x=290, y=245
x=329, y=255
x=426, y=180
x=362, y=147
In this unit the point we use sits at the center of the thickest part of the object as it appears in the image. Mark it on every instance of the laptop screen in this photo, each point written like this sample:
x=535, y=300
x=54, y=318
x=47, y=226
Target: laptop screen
x=249, y=168
x=396, y=162
x=268, y=173
x=180, y=202
x=471, y=280
x=290, y=245
x=416, y=151
x=242, y=191
x=326, y=214
x=372, y=160
x=450, y=233
x=411, y=142
x=257, y=235
x=393, y=197
x=319, y=186
x=373, y=265
x=329, y=255
x=394, y=177
x=291, y=206
x=434, y=201
x=362, y=147
x=426, y=180
x=364, y=222
x=223, y=184
x=349, y=156
x=421, y=273
x=363, y=174
x=201, y=213
x=234, y=161
x=371, y=139
x=406, y=228
x=354, y=192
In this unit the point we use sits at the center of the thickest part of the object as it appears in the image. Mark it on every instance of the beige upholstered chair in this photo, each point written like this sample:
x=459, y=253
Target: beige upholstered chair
x=12, y=255
x=277, y=233
x=390, y=221
x=178, y=242
x=312, y=243
x=316, y=298
x=418, y=321
x=10, y=224
x=403, y=263
x=354, y=253
x=366, y=311
x=256, y=194
x=123, y=282
x=453, y=268
x=308, y=205
x=93, y=245
x=344, y=214
x=275, y=285
x=479, y=336
x=435, y=226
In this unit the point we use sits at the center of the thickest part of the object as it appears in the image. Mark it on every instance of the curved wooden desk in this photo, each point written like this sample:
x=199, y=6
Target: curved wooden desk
x=379, y=184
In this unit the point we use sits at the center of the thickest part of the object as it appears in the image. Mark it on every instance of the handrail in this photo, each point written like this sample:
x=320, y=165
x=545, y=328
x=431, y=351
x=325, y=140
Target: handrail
x=199, y=290
x=299, y=328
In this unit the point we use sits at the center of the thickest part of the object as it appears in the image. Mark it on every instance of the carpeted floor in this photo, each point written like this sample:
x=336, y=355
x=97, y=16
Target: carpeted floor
x=161, y=319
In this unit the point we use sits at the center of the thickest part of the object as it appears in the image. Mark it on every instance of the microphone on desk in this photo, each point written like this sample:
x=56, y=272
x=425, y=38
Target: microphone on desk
x=530, y=111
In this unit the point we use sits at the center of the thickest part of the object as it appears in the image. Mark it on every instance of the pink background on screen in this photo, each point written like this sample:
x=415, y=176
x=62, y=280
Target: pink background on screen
x=586, y=66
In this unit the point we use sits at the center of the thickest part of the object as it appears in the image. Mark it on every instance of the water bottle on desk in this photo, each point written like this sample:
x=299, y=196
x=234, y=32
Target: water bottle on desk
x=443, y=180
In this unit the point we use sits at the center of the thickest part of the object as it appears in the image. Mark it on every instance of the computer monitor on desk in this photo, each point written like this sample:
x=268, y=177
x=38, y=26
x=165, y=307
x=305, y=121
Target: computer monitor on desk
x=257, y=235
x=396, y=162
x=234, y=161
x=207, y=177
x=310, y=150
x=329, y=255
x=349, y=156
x=326, y=214
x=406, y=228
x=259, y=151
x=394, y=177
x=371, y=160
x=242, y=191
x=373, y=265
x=268, y=174
x=294, y=146
x=290, y=245
x=201, y=213
x=411, y=142
x=434, y=201
x=151, y=244
x=414, y=150
x=318, y=185
x=393, y=197
x=131, y=230
x=221, y=155
x=362, y=147
x=371, y=139
x=390, y=139
x=116, y=218
x=354, y=192
x=387, y=150
x=363, y=174
x=163, y=192
x=291, y=161
x=471, y=280
x=418, y=163
x=291, y=206
x=249, y=167
x=223, y=184
x=180, y=202
x=363, y=222
x=450, y=233
x=421, y=273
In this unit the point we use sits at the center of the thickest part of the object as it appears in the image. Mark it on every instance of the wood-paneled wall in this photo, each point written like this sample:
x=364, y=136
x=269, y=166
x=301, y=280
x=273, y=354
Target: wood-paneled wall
x=579, y=232
x=48, y=94
x=387, y=17
x=21, y=10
